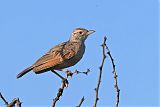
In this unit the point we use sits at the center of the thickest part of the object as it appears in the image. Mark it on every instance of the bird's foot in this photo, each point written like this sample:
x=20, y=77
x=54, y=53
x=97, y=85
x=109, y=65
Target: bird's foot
x=68, y=73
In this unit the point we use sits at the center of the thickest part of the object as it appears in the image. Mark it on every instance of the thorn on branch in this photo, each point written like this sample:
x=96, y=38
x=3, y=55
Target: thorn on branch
x=118, y=90
x=97, y=99
x=115, y=76
x=100, y=67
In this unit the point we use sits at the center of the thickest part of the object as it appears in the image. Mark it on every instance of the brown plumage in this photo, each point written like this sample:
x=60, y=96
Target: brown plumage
x=63, y=55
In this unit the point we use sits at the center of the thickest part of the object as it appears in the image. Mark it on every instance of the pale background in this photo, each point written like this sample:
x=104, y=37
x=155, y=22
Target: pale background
x=29, y=28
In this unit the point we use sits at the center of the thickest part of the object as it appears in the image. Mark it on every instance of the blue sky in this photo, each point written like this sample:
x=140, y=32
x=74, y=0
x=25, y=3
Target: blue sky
x=29, y=28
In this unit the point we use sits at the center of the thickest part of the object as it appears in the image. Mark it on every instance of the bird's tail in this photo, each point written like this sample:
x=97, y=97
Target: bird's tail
x=24, y=71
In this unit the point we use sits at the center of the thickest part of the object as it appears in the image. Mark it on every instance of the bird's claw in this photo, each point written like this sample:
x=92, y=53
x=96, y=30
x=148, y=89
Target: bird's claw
x=69, y=73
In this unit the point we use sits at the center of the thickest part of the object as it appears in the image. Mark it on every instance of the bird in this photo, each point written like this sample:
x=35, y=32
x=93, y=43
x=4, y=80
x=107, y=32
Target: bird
x=63, y=55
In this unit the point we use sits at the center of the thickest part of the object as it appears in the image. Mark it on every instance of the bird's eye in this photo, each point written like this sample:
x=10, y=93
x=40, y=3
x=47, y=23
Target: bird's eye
x=80, y=32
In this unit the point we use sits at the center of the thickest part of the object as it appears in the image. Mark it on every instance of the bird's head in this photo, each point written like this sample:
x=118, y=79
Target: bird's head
x=80, y=34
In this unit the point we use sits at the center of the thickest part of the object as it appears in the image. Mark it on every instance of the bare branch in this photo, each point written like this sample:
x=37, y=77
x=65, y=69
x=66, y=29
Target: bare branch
x=65, y=83
x=60, y=92
x=115, y=76
x=1, y=96
x=84, y=72
x=69, y=73
x=18, y=103
x=100, y=73
x=81, y=102
x=12, y=103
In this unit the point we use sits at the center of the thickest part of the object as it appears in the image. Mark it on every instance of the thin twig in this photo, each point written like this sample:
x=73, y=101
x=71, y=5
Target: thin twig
x=100, y=73
x=69, y=73
x=1, y=96
x=60, y=92
x=82, y=99
x=115, y=76
x=12, y=103
x=84, y=72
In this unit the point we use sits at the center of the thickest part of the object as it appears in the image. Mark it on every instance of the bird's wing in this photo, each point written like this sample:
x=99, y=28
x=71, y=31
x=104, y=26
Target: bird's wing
x=57, y=55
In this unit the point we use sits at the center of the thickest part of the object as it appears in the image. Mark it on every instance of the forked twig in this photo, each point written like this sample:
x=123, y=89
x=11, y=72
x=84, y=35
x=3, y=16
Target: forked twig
x=100, y=72
x=12, y=103
x=115, y=76
x=65, y=84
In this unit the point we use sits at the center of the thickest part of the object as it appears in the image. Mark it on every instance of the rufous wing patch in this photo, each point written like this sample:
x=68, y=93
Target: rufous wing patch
x=50, y=61
x=48, y=64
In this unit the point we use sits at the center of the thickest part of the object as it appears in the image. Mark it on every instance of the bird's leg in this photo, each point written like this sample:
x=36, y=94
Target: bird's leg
x=58, y=74
x=68, y=73
x=63, y=79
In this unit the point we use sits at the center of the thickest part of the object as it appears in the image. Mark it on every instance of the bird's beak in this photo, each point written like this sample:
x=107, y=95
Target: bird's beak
x=90, y=32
